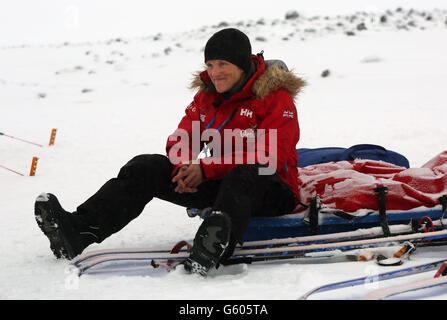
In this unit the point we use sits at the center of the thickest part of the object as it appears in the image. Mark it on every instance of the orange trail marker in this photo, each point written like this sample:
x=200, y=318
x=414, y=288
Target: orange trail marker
x=33, y=167
x=52, y=137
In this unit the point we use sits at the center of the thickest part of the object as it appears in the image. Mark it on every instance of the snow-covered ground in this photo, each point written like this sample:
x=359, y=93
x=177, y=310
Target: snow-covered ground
x=113, y=99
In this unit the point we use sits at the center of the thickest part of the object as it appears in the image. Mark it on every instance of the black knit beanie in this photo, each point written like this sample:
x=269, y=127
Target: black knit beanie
x=230, y=45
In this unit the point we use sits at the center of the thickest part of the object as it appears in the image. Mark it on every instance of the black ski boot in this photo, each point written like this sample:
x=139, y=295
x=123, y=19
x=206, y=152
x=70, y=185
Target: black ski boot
x=68, y=236
x=210, y=243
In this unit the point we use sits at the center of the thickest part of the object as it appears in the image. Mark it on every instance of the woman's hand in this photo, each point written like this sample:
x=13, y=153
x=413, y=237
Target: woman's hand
x=188, y=178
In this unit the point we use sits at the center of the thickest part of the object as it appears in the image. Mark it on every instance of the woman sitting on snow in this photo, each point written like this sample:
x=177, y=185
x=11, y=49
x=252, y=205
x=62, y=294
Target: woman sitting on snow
x=245, y=112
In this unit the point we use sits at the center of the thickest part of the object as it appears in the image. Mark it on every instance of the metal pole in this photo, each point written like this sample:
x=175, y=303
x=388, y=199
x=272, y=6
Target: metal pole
x=36, y=144
x=11, y=170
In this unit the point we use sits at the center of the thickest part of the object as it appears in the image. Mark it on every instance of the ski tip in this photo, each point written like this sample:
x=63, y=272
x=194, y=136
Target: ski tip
x=43, y=197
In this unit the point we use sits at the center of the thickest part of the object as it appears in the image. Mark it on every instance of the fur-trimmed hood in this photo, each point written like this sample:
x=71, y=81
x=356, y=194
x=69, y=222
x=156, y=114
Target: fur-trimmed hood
x=275, y=76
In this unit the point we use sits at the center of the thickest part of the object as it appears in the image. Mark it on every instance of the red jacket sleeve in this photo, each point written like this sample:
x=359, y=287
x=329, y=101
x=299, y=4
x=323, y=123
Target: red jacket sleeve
x=184, y=144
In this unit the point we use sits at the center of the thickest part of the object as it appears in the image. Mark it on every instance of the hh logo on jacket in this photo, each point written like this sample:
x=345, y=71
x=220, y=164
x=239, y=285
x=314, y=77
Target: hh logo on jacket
x=246, y=112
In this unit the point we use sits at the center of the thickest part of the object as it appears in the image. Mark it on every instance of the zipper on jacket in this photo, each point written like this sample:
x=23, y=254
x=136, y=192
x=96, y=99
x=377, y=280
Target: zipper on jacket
x=205, y=148
x=225, y=122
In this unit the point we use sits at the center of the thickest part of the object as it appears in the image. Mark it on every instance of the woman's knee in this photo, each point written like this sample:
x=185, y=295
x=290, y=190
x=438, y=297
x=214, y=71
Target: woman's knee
x=145, y=165
x=244, y=172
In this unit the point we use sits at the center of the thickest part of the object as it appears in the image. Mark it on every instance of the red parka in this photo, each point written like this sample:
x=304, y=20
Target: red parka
x=266, y=102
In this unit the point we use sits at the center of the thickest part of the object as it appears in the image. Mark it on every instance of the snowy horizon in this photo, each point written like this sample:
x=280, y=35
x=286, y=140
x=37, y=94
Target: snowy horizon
x=27, y=22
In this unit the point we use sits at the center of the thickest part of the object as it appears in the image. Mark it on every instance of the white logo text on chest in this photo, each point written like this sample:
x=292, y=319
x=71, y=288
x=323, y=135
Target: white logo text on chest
x=246, y=112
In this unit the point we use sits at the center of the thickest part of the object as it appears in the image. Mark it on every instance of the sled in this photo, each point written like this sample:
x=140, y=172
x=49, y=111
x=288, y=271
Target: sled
x=296, y=225
x=380, y=190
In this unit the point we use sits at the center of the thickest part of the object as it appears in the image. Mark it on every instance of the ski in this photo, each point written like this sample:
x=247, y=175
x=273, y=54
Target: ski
x=170, y=261
x=399, y=289
x=256, y=255
x=161, y=249
x=347, y=244
x=148, y=259
x=374, y=232
x=380, y=277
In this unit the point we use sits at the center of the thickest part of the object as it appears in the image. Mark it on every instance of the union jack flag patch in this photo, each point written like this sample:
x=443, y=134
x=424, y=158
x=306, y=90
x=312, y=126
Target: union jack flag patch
x=288, y=114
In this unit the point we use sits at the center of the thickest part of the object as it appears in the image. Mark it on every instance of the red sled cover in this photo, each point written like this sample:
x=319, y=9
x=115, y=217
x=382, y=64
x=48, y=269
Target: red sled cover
x=349, y=185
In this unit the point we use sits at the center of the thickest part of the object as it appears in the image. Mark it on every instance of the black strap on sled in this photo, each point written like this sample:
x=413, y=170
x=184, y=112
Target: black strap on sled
x=314, y=209
x=443, y=201
x=381, y=192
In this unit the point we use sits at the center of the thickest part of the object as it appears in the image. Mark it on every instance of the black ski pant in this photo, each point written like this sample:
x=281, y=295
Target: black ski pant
x=242, y=194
